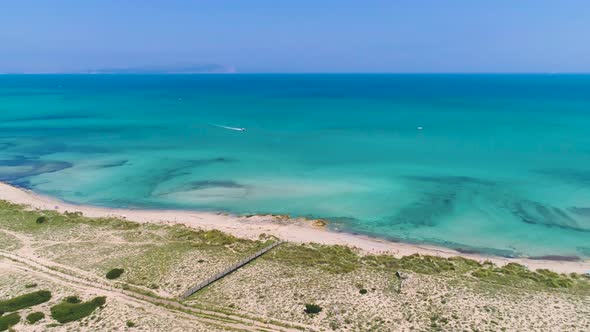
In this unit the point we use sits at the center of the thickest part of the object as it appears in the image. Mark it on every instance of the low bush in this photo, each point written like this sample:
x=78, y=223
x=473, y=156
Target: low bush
x=73, y=299
x=41, y=220
x=426, y=264
x=25, y=301
x=68, y=312
x=130, y=324
x=482, y=273
x=34, y=317
x=363, y=291
x=554, y=280
x=513, y=272
x=311, y=309
x=333, y=259
x=9, y=320
x=114, y=273
x=31, y=285
x=211, y=237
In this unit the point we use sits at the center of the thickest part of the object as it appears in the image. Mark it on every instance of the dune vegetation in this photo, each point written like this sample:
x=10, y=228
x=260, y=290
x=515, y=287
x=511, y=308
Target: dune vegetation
x=25, y=301
x=300, y=286
x=69, y=311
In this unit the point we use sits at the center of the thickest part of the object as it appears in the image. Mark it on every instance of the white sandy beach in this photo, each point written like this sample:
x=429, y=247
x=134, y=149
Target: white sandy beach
x=293, y=230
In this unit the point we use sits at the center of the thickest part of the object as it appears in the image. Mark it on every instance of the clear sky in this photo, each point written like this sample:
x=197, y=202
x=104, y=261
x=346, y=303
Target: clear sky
x=298, y=35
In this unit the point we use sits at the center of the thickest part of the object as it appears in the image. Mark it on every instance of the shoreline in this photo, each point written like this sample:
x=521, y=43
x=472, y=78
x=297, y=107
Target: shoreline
x=297, y=230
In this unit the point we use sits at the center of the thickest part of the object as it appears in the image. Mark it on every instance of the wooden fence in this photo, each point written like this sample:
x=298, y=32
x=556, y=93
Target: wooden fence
x=227, y=271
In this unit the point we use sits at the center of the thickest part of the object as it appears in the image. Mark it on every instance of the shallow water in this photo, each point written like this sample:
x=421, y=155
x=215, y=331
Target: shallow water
x=502, y=164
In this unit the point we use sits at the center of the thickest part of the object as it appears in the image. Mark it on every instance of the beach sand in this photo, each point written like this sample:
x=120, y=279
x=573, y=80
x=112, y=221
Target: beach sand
x=287, y=229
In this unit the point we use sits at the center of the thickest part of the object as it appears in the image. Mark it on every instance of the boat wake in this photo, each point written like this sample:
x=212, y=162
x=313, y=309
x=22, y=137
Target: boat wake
x=229, y=128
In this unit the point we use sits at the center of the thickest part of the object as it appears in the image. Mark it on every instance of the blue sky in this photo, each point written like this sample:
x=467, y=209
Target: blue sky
x=298, y=36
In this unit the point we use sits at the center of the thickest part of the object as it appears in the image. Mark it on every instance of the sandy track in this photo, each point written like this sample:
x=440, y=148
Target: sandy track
x=32, y=266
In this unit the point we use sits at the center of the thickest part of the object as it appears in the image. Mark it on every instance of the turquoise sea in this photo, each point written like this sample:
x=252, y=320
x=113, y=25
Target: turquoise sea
x=501, y=164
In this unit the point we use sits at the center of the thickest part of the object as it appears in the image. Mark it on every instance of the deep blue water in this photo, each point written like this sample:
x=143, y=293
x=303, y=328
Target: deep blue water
x=501, y=165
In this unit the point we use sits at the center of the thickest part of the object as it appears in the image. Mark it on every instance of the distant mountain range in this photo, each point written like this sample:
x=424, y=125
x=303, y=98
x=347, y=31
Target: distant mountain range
x=166, y=69
x=148, y=69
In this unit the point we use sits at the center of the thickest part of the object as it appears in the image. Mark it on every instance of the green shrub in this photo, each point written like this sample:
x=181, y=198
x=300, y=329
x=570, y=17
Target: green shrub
x=34, y=317
x=379, y=261
x=482, y=273
x=216, y=237
x=554, y=280
x=363, y=291
x=311, y=309
x=426, y=264
x=513, y=272
x=211, y=237
x=462, y=261
x=25, y=301
x=114, y=273
x=73, y=299
x=334, y=259
x=130, y=324
x=514, y=269
x=31, y=285
x=9, y=320
x=68, y=312
x=41, y=220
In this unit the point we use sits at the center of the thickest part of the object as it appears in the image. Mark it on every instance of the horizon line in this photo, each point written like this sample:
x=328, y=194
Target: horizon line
x=299, y=73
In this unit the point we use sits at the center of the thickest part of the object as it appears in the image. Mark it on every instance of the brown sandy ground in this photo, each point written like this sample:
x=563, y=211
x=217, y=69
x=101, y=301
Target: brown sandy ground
x=426, y=302
x=161, y=261
x=112, y=317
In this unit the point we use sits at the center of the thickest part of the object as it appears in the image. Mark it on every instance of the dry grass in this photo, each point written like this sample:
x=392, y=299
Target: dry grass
x=112, y=317
x=440, y=294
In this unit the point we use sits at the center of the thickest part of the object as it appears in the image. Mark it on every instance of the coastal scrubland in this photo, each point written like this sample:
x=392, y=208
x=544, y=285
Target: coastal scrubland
x=56, y=275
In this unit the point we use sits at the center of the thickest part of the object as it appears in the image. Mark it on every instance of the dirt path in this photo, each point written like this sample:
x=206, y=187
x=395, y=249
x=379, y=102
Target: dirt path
x=232, y=321
x=149, y=307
